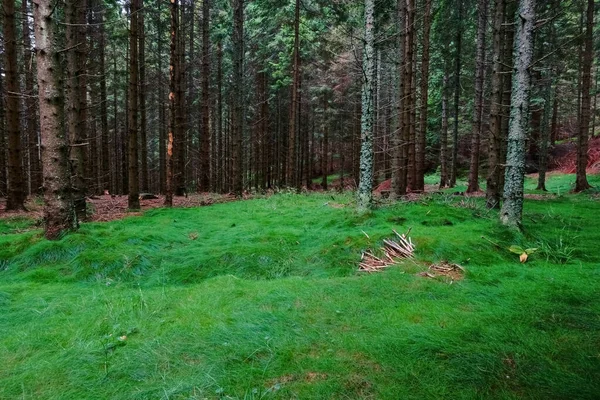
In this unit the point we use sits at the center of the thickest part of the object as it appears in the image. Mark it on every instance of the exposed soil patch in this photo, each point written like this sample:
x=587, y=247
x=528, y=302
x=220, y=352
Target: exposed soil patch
x=453, y=271
x=110, y=208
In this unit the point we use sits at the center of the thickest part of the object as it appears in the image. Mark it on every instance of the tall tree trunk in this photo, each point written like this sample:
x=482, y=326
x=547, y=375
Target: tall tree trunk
x=492, y=191
x=221, y=160
x=365, y=185
x=444, y=179
x=398, y=173
x=2, y=134
x=512, y=209
x=77, y=153
x=144, y=180
x=294, y=103
x=545, y=132
x=581, y=182
x=133, y=201
x=174, y=103
x=457, y=71
x=105, y=180
x=162, y=123
x=205, y=155
x=410, y=90
x=59, y=214
x=35, y=172
x=237, y=111
x=421, y=144
x=473, y=184
x=16, y=183
x=325, y=155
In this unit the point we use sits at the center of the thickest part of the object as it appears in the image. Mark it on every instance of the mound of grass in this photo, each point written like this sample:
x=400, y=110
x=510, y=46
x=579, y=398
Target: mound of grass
x=261, y=300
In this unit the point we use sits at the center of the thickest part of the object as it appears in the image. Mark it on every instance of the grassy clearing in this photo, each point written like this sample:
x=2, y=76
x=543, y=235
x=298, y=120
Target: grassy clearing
x=261, y=299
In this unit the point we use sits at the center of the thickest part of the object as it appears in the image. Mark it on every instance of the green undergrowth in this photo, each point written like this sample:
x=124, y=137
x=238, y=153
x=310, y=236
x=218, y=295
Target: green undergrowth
x=261, y=299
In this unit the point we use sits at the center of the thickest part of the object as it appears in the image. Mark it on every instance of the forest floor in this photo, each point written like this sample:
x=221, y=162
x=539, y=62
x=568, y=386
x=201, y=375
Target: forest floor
x=263, y=299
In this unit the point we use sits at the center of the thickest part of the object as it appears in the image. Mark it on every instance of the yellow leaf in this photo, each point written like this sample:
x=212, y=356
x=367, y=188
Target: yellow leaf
x=523, y=257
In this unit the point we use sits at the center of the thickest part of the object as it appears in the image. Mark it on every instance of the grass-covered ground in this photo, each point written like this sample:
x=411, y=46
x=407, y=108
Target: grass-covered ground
x=262, y=299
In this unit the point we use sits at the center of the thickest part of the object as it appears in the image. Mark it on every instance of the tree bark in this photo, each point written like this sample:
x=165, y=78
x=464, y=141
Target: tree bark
x=133, y=200
x=105, y=174
x=420, y=150
x=237, y=112
x=205, y=154
x=398, y=172
x=35, y=171
x=59, y=214
x=549, y=94
x=75, y=123
x=174, y=103
x=457, y=72
x=292, y=177
x=473, y=184
x=492, y=191
x=16, y=183
x=581, y=182
x=512, y=209
x=2, y=134
x=144, y=179
x=444, y=179
x=365, y=185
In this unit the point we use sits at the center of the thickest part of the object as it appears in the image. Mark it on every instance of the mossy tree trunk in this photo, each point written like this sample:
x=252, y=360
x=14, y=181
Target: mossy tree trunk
x=365, y=184
x=59, y=214
x=512, y=209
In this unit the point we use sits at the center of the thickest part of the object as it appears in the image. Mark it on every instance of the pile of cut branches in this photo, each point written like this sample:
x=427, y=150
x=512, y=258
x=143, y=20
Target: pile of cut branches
x=391, y=252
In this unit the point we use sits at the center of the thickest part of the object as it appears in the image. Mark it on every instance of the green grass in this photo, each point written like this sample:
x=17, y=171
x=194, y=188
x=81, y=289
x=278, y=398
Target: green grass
x=261, y=299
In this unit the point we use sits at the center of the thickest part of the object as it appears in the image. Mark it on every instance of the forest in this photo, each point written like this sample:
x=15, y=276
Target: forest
x=256, y=199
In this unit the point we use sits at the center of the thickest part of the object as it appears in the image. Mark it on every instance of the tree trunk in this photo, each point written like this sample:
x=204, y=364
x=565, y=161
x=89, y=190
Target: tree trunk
x=581, y=182
x=492, y=191
x=444, y=179
x=134, y=179
x=35, y=172
x=365, y=185
x=16, y=183
x=237, y=112
x=59, y=215
x=174, y=103
x=325, y=155
x=410, y=90
x=77, y=153
x=2, y=135
x=105, y=180
x=473, y=185
x=421, y=144
x=162, y=118
x=294, y=103
x=545, y=132
x=205, y=158
x=144, y=179
x=398, y=173
x=459, y=29
x=512, y=209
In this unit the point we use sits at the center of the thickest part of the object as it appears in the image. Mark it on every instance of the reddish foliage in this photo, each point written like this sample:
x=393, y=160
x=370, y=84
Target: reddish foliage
x=564, y=157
